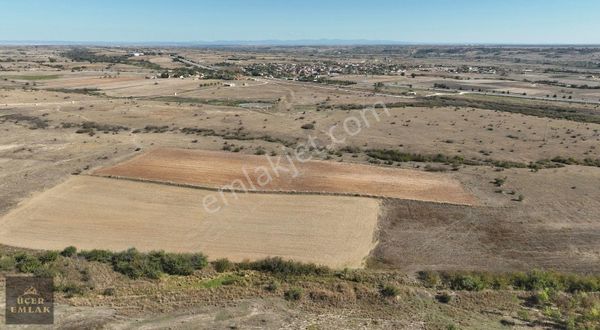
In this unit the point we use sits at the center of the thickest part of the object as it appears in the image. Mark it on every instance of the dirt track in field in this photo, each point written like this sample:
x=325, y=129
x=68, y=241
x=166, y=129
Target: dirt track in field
x=93, y=212
x=277, y=173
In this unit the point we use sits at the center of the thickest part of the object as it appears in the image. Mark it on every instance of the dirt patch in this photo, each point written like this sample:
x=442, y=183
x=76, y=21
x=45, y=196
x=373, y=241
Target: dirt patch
x=217, y=169
x=93, y=212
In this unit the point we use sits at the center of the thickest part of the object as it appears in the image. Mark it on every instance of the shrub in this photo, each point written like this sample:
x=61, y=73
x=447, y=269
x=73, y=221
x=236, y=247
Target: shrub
x=97, y=255
x=573, y=283
x=537, y=280
x=273, y=286
x=429, y=279
x=45, y=271
x=178, y=264
x=7, y=263
x=399, y=156
x=499, y=282
x=498, y=182
x=26, y=263
x=282, y=267
x=524, y=315
x=443, y=297
x=71, y=289
x=48, y=256
x=199, y=260
x=222, y=265
x=293, y=293
x=540, y=298
x=351, y=275
x=69, y=251
x=532, y=281
x=469, y=282
x=389, y=290
x=135, y=265
x=109, y=292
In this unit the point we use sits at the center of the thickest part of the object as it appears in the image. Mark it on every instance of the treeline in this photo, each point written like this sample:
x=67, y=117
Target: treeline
x=565, y=85
x=85, y=55
x=327, y=81
x=538, y=109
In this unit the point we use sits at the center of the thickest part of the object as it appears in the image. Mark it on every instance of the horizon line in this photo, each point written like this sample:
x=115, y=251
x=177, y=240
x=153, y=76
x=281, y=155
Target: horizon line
x=282, y=42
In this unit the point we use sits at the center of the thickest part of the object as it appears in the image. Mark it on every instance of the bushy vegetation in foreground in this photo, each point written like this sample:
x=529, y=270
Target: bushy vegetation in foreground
x=136, y=264
x=278, y=266
x=131, y=263
x=530, y=281
x=569, y=301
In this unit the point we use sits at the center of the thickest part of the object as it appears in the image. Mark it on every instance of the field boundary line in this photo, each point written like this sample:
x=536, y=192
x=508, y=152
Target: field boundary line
x=279, y=192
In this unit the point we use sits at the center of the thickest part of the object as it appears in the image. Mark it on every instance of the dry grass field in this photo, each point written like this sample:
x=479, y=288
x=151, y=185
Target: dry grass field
x=100, y=213
x=281, y=174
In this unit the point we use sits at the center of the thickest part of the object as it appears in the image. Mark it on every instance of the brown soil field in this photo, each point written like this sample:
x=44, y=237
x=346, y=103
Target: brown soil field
x=222, y=169
x=93, y=212
x=540, y=232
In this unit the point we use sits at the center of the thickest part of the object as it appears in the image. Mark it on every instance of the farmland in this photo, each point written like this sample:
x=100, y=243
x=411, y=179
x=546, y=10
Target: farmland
x=218, y=169
x=173, y=219
x=416, y=162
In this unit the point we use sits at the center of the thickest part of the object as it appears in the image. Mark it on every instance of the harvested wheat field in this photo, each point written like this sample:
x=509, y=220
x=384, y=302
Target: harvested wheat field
x=213, y=169
x=94, y=212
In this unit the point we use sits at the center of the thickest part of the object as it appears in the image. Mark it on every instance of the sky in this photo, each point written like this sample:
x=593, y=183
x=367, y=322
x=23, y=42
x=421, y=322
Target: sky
x=415, y=21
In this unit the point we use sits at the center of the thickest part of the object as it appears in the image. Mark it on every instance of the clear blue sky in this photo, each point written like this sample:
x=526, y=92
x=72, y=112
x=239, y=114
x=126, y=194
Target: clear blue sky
x=431, y=21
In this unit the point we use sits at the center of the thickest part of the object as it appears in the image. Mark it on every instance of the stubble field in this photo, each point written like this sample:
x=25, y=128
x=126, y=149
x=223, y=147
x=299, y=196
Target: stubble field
x=287, y=174
x=100, y=213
